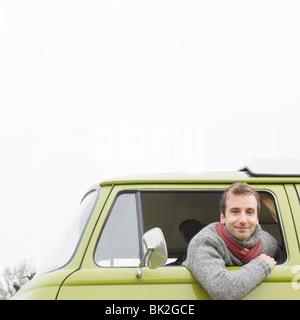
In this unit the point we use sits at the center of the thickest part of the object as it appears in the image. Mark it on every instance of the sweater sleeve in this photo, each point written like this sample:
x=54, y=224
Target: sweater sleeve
x=206, y=261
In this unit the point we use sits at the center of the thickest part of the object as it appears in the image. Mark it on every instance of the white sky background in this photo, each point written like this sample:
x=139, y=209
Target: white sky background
x=96, y=89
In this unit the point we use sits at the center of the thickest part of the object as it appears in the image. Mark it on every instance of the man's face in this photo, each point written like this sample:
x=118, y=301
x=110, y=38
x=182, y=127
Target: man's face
x=240, y=216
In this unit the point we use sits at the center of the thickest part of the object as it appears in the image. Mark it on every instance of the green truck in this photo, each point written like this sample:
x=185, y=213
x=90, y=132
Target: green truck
x=126, y=240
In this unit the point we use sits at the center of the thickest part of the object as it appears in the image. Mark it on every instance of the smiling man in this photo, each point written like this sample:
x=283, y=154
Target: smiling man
x=236, y=240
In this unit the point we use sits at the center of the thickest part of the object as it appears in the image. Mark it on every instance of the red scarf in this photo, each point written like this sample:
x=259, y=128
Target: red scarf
x=244, y=254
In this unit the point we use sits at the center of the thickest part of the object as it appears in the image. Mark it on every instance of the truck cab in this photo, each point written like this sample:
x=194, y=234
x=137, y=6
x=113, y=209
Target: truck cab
x=107, y=254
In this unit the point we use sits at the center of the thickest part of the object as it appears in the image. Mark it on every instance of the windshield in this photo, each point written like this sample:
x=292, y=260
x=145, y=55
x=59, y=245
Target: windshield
x=65, y=248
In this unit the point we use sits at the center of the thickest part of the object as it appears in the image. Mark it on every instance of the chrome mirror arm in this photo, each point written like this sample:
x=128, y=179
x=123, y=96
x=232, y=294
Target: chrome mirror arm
x=139, y=270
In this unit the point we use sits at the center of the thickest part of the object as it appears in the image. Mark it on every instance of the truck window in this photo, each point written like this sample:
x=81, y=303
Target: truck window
x=66, y=246
x=119, y=242
x=179, y=214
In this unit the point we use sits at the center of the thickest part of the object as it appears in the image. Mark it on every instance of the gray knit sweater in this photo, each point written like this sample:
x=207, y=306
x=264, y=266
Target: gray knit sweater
x=208, y=256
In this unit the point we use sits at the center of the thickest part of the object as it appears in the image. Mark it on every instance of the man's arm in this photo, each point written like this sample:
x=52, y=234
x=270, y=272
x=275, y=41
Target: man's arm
x=208, y=266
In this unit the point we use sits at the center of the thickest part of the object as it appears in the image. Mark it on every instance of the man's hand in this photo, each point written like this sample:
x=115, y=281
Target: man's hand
x=271, y=262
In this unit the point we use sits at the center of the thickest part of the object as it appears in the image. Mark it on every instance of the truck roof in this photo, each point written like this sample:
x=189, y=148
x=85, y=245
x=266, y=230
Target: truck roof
x=243, y=175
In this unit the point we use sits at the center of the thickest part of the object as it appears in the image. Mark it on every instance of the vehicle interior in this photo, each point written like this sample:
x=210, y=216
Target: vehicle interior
x=181, y=214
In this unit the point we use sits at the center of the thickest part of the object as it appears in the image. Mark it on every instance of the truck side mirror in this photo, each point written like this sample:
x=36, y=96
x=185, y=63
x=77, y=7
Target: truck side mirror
x=155, y=250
